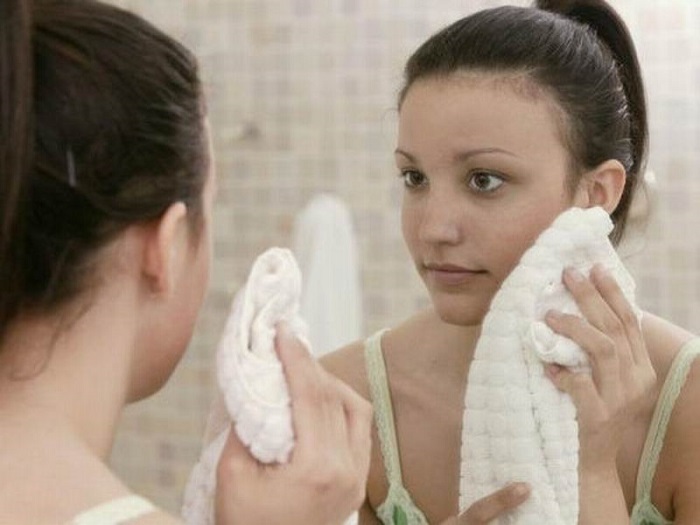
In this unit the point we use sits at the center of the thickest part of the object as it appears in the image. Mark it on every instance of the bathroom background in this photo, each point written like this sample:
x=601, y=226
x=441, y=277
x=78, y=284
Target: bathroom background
x=301, y=98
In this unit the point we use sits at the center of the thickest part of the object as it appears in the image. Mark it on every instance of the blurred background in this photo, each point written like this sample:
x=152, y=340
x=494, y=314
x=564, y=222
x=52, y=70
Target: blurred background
x=301, y=97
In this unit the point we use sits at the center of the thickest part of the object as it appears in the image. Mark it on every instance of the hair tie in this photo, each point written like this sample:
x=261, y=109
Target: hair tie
x=70, y=161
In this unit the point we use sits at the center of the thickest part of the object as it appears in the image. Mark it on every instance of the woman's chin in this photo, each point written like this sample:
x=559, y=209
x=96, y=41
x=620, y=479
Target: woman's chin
x=459, y=312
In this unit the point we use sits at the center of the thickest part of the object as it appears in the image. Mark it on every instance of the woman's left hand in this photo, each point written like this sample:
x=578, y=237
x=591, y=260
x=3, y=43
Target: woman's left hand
x=622, y=381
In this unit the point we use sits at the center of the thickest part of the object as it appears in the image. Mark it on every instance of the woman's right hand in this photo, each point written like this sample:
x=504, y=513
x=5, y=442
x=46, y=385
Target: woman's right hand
x=324, y=481
x=483, y=511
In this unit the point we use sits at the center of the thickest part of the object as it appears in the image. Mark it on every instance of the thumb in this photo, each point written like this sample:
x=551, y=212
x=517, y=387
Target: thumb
x=235, y=461
x=489, y=508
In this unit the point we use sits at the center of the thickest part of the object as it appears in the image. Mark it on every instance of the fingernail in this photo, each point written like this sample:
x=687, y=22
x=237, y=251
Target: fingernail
x=552, y=370
x=574, y=275
x=520, y=489
x=284, y=332
x=600, y=270
x=552, y=315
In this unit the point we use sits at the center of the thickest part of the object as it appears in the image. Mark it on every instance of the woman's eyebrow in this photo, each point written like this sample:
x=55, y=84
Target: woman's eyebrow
x=462, y=156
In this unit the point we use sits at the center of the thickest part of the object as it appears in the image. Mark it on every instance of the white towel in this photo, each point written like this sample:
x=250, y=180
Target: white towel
x=325, y=245
x=251, y=379
x=517, y=426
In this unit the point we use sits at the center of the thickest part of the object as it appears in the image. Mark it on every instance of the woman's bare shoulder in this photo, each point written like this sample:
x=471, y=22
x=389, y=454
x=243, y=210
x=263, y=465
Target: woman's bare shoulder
x=348, y=365
x=677, y=477
x=663, y=341
x=78, y=479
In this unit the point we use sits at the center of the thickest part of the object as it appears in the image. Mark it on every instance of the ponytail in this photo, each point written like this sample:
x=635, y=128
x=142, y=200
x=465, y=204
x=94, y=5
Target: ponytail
x=16, y=109
x=611, y=31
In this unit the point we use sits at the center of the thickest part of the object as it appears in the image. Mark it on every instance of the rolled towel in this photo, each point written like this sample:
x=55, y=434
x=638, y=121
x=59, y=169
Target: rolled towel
x=252, y=385
x=250, y=375
x=517, y=426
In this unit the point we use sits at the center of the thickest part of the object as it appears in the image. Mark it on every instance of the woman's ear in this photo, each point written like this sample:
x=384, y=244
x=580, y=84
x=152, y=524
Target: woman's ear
x=603, y=186
x=166, y=243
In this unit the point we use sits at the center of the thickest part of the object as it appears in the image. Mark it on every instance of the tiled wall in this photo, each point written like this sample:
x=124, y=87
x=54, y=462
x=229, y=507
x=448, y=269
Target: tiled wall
x=301, y=98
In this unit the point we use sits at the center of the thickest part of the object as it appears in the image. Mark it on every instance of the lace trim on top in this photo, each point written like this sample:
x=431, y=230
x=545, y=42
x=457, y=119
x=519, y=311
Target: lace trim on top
x=644, y=511
x=115, y=512
x=398, y=508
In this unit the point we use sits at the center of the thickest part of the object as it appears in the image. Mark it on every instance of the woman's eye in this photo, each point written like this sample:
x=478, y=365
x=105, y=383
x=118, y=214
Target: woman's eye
x=412, y=178
x=484, y=182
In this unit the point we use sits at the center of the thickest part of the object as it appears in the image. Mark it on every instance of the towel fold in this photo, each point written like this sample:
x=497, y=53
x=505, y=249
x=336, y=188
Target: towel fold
x=517, y=426
x=252, y=385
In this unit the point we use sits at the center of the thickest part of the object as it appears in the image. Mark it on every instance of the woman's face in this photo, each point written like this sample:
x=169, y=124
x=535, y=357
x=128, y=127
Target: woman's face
x=485, y=171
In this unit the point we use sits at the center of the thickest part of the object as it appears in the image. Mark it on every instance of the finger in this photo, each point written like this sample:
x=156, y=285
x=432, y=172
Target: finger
x=600, y=349
x=343, y=444
x=351, y=446
x=580, y=387
x=492, y=506
x=359, y=424
x=613, y=295
x=235, y=461
x=595, y=309
x=600, y=314
x=337, y=421
x=297, y=362
x=306, y=388
x=592, y=305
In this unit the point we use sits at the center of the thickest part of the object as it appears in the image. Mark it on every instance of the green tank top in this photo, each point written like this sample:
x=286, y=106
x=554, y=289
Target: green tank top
x=399, y=509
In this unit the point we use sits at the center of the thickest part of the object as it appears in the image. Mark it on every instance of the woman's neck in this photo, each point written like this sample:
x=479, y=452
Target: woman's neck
x=71, y=380
x=430, y=346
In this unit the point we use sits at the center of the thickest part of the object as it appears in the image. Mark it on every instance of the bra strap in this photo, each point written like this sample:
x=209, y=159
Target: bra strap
x=115, y=511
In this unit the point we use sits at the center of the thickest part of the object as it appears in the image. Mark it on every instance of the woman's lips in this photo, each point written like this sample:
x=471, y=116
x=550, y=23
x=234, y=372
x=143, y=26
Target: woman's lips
x=451, y=275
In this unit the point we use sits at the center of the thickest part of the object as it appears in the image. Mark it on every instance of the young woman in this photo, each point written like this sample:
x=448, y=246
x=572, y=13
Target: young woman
x=507, y=118
x=106, y=190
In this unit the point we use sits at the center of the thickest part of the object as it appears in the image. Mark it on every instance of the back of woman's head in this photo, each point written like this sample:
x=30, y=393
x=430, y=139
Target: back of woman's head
x=581, y=53
x=101, y=126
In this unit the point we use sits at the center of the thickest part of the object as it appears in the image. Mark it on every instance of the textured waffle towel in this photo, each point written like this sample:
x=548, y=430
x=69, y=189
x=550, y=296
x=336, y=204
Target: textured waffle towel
x=252, y=385
x=517, y=426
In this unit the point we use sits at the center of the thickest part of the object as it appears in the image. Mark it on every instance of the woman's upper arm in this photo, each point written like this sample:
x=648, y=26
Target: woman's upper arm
x=348, y=364
x=682, y=448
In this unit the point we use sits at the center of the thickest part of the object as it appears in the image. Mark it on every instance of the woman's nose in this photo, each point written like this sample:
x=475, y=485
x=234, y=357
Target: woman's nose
x=440, y=219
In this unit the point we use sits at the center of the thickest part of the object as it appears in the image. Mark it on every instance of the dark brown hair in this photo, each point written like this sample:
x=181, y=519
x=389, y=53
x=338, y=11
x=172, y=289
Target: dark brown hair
x=581, y=52
x=101, y=126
